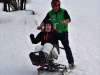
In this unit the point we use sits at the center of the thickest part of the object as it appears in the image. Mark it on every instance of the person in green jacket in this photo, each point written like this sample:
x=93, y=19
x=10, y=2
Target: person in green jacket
x=60, y=19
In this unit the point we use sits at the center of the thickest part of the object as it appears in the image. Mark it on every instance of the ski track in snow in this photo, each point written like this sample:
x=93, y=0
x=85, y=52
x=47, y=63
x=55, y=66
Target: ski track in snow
x=84, y=36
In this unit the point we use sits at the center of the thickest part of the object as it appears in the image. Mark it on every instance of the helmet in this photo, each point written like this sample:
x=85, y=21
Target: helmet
x=55, y=2
x=48, y=22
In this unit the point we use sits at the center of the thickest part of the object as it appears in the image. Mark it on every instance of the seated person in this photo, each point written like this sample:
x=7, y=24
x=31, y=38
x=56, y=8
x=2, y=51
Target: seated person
x=49, y=42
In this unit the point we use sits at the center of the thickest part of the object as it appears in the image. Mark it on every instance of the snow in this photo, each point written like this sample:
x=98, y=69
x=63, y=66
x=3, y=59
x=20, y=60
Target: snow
x=84, y=36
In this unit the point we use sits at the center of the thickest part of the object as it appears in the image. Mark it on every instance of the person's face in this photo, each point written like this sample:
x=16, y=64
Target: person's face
x=55, y=8
x=48, y=27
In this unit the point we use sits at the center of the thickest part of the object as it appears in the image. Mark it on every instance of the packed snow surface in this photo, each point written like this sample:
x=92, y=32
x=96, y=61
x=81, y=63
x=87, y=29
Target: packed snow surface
x=84, y=36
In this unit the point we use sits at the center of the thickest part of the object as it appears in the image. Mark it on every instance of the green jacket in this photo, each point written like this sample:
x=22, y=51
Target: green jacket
x=56, y=17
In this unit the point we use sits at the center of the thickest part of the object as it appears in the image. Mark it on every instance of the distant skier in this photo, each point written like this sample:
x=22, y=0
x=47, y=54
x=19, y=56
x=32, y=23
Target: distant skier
x=48, y=38
x=60, y=18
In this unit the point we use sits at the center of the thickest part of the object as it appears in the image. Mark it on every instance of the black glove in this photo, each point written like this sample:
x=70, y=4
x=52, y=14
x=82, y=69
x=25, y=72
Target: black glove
x=32, y=36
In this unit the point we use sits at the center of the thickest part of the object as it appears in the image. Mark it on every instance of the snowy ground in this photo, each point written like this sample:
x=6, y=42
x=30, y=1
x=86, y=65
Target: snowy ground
x=84, y=36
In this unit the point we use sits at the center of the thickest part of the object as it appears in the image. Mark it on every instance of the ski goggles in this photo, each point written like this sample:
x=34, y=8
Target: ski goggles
x=55, y=3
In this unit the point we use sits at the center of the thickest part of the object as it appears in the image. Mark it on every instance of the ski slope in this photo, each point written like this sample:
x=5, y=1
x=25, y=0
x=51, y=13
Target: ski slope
x=84, y=36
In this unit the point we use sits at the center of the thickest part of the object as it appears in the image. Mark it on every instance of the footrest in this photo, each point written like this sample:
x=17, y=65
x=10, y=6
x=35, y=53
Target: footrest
x=37, y=58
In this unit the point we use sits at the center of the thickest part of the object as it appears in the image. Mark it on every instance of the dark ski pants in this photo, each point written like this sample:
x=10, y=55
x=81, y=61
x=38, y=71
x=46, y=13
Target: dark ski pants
x=63, y=37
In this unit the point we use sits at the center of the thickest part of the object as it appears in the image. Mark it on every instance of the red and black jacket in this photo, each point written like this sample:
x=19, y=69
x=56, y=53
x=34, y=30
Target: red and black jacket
x=46, y=37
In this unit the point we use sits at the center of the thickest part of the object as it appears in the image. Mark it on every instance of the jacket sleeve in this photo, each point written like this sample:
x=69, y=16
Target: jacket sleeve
x=66, y=15
x=37, y=39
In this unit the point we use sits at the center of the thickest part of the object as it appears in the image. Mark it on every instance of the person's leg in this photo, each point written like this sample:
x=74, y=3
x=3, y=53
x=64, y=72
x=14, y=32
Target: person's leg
x=47, y=48
x=68, y=51
x=38, y=48
x=65, y=42
x=54, y=53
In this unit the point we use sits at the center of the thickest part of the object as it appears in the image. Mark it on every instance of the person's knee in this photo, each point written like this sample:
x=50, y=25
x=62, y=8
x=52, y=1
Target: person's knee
x=47, y=47
x=38, y=48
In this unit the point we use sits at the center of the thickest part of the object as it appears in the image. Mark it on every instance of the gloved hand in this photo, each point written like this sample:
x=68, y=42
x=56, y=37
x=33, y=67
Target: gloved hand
x=32, y=36
x=39, y=28
x=62, y=22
